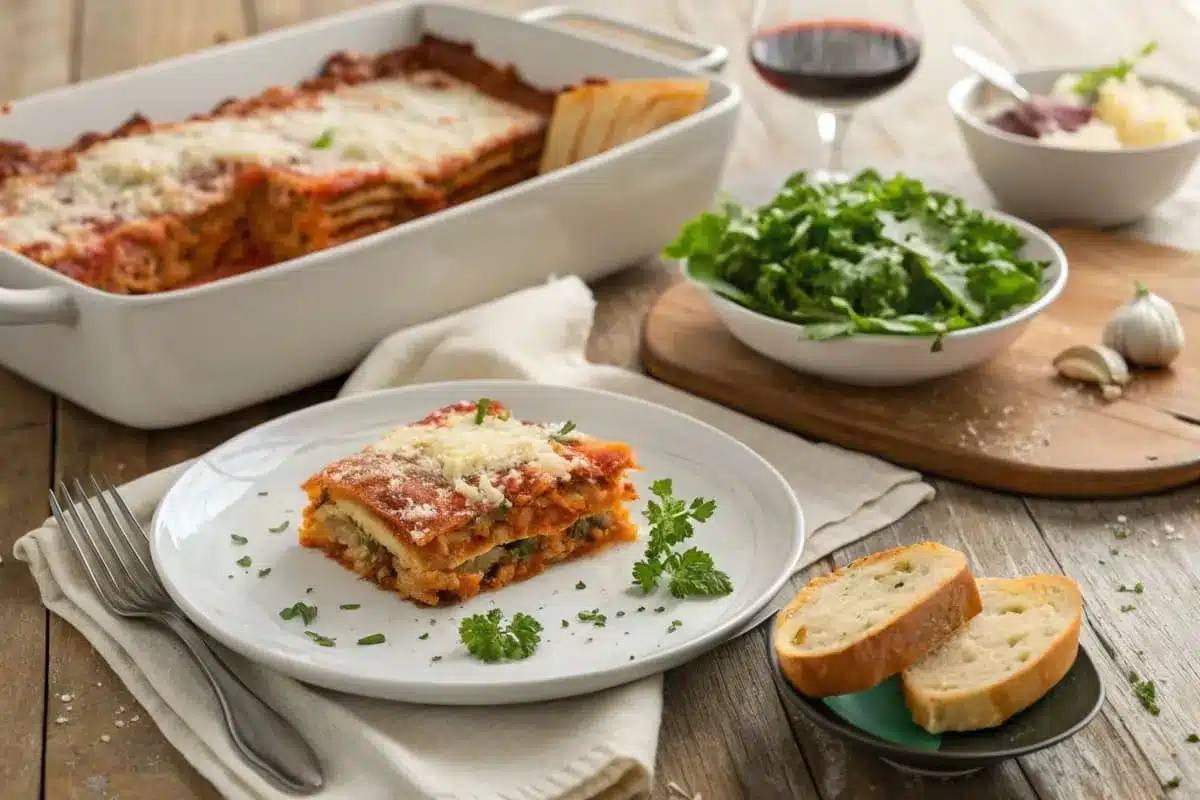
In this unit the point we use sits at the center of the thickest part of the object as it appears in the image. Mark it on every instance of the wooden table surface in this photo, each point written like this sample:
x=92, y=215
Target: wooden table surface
x=725, y=732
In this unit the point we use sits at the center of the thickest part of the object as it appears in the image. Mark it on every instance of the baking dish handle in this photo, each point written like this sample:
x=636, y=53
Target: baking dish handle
x=711, y=56
x=51, y=305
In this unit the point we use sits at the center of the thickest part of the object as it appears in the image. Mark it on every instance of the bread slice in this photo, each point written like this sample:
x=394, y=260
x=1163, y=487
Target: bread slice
x=851, y=629
x=595, y=117
x=1004, y=661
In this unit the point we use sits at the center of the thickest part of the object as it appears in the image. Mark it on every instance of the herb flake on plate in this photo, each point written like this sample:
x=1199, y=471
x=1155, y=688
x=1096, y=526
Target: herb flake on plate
x=302, y=610
x=870, y=255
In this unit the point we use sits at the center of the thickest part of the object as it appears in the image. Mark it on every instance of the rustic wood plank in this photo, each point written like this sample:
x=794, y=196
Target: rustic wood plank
x=1150, y=542
x=26, y=426
x=35, y=40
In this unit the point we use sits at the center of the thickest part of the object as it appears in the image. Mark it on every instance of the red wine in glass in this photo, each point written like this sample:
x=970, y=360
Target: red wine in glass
x=834, y=55
x=835, y=62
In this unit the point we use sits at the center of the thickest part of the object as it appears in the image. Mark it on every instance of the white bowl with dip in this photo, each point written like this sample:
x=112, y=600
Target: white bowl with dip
x=1055, y=184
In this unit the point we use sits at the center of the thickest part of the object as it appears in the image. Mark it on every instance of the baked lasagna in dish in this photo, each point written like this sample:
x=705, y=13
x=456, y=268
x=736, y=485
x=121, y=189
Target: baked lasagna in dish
x=369, y=143
x=469, y=499
x=372, y=141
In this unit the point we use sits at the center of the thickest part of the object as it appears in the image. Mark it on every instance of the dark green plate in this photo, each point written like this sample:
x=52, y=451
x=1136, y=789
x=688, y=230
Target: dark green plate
x=877, y=720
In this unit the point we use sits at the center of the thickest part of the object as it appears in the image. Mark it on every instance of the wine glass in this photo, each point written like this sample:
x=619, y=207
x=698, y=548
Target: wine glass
x=835, y=55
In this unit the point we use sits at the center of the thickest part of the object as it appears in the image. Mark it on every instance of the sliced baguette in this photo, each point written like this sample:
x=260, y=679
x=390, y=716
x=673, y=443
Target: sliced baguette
x=849, y=630
x=1004, y=661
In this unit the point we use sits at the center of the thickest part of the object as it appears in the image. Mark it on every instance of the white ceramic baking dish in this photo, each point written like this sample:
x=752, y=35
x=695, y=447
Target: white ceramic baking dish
x=162, y=360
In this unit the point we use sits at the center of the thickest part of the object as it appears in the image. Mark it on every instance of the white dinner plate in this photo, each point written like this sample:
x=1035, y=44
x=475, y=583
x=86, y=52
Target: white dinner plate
x=250, y=486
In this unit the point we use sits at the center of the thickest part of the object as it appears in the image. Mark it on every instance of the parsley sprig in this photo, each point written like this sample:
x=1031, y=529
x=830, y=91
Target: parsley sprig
x=691, y=572
x=1089, y=82
x=488, y=638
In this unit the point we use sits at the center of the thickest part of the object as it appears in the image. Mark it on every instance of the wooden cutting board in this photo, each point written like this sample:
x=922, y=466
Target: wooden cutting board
x=1010, y=424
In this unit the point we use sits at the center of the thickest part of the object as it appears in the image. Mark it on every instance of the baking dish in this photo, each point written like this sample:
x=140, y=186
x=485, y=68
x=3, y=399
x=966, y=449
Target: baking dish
x=161, y=360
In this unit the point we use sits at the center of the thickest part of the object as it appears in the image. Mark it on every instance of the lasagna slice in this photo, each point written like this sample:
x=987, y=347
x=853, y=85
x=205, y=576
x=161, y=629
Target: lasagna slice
x=596, y=117
x=469, y=499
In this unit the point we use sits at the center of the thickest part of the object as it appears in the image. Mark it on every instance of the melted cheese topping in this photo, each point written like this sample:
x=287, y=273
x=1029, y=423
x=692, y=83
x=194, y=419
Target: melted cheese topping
x=461, y=450
x=408, y=127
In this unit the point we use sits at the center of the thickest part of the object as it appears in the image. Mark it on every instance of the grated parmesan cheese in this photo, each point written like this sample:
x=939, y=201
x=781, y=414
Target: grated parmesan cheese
x=404, y=126
x=462, y=450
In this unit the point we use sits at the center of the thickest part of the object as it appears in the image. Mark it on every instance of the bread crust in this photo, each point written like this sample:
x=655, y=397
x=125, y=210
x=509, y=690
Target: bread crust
x=976, y=709
x=883, y=652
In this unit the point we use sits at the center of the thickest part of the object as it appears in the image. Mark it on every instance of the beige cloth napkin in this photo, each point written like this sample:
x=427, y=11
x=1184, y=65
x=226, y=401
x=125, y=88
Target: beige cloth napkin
x=601, y=745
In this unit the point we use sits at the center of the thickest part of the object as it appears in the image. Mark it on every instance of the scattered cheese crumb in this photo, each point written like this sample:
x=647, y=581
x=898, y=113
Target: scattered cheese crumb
x=60, y=720
x=1168, y=528
x=120, y=723
x=134, y=718
x=1122, y=518
x=104, y=737
x=70, y=708
x=66, y=698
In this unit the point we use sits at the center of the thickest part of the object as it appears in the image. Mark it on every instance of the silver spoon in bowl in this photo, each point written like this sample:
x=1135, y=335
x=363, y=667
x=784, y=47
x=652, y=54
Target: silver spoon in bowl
x=1033, y=115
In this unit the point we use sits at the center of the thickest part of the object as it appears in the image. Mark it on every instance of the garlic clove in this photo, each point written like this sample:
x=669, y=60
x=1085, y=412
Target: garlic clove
x=1146, y=330
x=1093, y=363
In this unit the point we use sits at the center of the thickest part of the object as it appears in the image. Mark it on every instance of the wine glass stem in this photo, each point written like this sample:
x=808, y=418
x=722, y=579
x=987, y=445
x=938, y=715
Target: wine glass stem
x=832, y=127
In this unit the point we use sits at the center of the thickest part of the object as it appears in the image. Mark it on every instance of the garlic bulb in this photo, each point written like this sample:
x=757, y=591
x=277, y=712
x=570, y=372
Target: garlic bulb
x=1146, y=330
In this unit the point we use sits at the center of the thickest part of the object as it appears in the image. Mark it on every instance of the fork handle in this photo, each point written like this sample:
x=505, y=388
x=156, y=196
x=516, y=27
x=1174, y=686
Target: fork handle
x=269, y=742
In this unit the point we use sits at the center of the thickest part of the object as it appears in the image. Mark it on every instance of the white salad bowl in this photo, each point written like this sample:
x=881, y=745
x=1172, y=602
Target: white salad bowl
x=1053, y=184
x=896, y=360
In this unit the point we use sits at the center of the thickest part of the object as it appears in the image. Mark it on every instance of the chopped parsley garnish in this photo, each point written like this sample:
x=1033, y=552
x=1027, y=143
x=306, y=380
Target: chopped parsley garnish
x=562, y=433
x=1145, y=692
x=1192, y=738
x=674, y=626
x=309, y=590
x=565, y=624
x=488, y=638
x=1089, y=82
x=660, y=609
x=1112, y=551
x=580, y=586
x=374, y=638
x=323, y=641
x=244, y=561
x=505, y=504
x=641, y=609
x=424, y=636
x=262, y=494
x=436, y=658
x=280, y=528
x=1126, y=609
x=350, y=606
x=1173, y=783
x=302, y=610
x=594, y=616
x=233, y=537
x=1137, y=588
x=692, y=572
x=481, y=409
x=324, y=141
x=264, y=572
x=620, y=613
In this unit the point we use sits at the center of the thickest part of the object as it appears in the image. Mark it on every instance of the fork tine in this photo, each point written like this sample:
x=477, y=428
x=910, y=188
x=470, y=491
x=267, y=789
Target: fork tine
x=63, y=508
x=123, y=525
x=132, y=583
x=121, y=505
x=142, y=573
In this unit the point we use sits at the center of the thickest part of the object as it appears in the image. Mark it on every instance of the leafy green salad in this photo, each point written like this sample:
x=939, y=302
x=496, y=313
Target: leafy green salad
x=866, y=256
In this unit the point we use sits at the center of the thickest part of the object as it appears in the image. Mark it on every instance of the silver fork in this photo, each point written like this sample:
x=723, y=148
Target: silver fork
x=116, y=558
